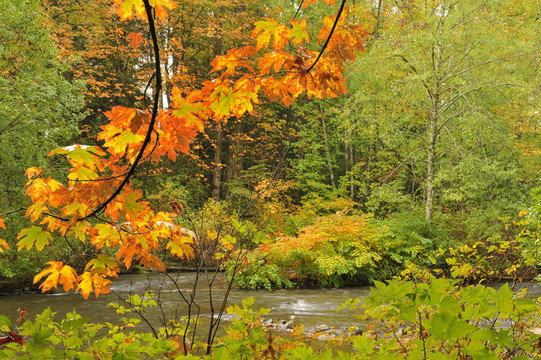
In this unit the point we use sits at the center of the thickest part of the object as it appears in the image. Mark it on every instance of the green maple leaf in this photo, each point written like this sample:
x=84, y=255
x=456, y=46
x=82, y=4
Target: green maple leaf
x=74, y=208
x=266, y=28
x=107, y=234
x=33, y=235
x=102, y=264
x=130, y=203
x=223, y=104
x=80, y=154
x=83, y=173
x=298, y=32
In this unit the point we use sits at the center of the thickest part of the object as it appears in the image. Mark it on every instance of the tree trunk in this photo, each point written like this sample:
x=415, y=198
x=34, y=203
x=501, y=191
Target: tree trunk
x=229, y=174
x=351, y=176
x=239, y=156
x=378, y=20
x=217, y=170
x=217, y=164
x=348, y=153
x=434, y=126
x=346, y=158
x=327, y=150
x=431, y=169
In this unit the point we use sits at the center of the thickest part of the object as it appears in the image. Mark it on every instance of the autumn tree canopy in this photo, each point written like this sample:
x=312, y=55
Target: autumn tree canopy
x=87, y=195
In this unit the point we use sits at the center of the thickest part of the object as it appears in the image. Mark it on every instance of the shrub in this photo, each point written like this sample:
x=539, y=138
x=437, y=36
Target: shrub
x=337, y=250
x=433, y=318
x=257, y=273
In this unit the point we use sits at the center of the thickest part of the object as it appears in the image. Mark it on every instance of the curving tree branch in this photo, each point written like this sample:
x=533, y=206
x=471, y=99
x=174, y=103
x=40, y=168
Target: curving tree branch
x=148, y=136
x=330, y=35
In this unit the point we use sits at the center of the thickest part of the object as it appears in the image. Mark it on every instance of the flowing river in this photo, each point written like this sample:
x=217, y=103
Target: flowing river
x=305, y=306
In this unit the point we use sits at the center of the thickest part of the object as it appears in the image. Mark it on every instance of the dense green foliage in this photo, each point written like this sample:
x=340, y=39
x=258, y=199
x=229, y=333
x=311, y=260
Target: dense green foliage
x=40, y=109
x=429, y=141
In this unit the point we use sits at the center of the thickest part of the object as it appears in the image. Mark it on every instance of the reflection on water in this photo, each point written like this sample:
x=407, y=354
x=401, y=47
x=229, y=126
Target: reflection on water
x=309, y=306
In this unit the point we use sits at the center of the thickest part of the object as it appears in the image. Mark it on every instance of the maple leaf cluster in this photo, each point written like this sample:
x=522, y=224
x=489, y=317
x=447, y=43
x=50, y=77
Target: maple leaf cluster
x=132, y=228
x=268, y=69
x=95, y=179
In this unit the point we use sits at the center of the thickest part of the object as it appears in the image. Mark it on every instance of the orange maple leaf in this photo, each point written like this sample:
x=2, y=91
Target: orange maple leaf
x=135, y=40
x=68, y=278
x=4, y=244
x=32, y=171
x=52, y=273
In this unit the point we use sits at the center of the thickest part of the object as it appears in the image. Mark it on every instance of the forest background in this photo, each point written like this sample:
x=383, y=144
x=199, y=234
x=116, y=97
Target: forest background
x=430, y=158
x=435, y=145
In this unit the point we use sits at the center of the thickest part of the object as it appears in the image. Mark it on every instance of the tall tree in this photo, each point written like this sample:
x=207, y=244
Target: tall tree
x=440, y=79
x=39, y=107
x=106, y=55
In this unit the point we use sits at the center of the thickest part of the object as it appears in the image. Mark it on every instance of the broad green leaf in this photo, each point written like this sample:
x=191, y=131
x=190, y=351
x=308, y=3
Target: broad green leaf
x=298, y=32
x=446, y=326
x=36, y=235
x=364, y=345
x=5, y=323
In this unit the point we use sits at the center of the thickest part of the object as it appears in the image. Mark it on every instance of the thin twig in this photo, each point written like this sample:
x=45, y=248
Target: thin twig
x=298, y=9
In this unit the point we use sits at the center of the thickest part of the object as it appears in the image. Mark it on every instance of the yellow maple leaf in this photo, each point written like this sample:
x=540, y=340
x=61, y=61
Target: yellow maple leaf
x=126, y=8
x=34, y=211
x=180, y=246
x=85, y=284
x=52, y=273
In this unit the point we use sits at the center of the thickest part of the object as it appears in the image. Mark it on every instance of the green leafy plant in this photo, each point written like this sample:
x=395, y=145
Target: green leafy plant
x=75, y=338
x=433, y=318
x=257, y=273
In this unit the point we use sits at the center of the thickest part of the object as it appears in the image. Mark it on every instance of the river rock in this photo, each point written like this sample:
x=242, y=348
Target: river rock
x=289, y=325
x=333, y=332
x=322, y=327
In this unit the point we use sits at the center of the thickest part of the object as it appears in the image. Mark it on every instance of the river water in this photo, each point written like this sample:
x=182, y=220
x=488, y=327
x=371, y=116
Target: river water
x=306, y=306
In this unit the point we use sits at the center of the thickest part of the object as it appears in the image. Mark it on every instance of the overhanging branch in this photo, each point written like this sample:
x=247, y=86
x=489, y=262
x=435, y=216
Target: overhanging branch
x=148, y=136
x=330, y=35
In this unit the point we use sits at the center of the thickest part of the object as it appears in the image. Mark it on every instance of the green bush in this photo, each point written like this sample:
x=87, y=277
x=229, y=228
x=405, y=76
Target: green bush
x=408, y=237
x=75, y=338
x=433, y=318
x=259, y=274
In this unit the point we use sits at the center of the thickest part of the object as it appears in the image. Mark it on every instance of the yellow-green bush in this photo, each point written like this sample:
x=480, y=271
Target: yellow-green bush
x=336, y=250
